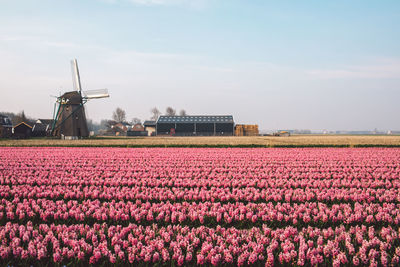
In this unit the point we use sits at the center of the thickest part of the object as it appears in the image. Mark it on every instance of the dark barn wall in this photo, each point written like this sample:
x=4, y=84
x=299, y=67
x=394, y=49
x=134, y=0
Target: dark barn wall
x=137, y=133
x=205, y=129
x=201, y=125
x=22, y=131
x=184, y=129
x=5, y=131
x=40, y=130
x=165, y=128
x=224, y=128
x=199, y=129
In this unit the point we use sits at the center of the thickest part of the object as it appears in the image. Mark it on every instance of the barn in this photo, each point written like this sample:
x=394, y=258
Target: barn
x=201, y=125
x=42, y=127
x=22, y=130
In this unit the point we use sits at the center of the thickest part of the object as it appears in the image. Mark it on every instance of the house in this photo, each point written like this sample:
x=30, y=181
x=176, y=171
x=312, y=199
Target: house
x=22, y=130
x=5, y=127
x=150, y=127
x=137, y=130
x=120, y=128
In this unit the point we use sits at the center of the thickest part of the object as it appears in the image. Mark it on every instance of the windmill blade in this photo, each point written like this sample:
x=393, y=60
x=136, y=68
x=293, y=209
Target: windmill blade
x=76, y=79
x=93, y=94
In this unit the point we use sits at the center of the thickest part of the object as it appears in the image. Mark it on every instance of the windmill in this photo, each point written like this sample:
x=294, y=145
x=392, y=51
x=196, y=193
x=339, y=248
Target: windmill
x=69, y=121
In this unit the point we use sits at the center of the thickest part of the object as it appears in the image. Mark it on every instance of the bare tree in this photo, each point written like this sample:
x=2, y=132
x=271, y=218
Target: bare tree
x=155, y=113
x=108, y=124
x=20, y=117
x=136, y=121
x=182, y=112
x=170, y=111
x=104, y=124
x=119, y=115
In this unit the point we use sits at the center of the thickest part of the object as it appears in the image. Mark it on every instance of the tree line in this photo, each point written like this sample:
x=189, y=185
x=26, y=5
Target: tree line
x=119, y=115
x=17, y=118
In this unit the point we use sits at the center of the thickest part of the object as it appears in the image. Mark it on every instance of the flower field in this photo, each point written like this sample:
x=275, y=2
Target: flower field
x=200, y=206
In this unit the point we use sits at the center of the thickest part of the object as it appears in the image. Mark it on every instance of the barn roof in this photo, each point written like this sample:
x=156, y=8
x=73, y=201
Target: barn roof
x=44, y=121
x=196, y=119
x=22, y=124
x=149, y=123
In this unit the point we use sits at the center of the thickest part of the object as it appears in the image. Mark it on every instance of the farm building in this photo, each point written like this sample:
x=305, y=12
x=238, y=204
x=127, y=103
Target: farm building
x=136, y=130
x=42, y=127
x=5, y=126
x=150, y=127
x=119, y=128
x=195, y=125
x=22, y=130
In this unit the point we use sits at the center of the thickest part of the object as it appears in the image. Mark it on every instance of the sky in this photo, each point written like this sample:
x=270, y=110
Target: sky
x=319, y=65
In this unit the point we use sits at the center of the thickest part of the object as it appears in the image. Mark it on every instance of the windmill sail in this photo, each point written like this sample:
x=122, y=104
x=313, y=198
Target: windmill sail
x=76, y=79
x=93, y=94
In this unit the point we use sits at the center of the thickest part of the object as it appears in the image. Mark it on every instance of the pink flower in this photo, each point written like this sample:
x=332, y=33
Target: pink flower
x=188, y=257
x=253, y=258
x=181, y=260
x=156, y=257
x=200, y=259
x=56, y=257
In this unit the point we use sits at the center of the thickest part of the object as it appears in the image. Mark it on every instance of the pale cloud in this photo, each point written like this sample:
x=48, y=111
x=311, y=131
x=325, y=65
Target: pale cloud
x=39, y=40
x=16, y=38
x=60, y=44
x=154, y=2
x=123, y=55
x=132, y=54
x=198, y=4
x=385, y=68
x=216, y=69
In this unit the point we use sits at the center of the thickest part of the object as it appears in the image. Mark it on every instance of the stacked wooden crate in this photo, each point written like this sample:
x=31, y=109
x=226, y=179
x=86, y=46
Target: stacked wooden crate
x=246, y=130
x=239, y=131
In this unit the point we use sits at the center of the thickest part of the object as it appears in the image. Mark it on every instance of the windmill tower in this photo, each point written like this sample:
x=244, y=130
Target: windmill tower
x=69, y=121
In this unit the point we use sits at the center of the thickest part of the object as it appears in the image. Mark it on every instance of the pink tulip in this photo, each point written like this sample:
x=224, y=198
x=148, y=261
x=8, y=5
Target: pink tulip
x=237, y=206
